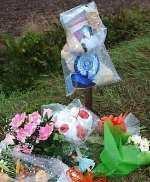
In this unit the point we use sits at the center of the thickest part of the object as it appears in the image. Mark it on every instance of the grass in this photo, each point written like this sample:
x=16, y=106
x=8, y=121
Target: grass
x=131, y=60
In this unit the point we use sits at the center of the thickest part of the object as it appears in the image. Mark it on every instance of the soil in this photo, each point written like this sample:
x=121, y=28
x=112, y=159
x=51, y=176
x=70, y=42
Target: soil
x=15, y=14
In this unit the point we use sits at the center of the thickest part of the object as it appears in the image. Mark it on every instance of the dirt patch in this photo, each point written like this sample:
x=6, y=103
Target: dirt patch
x=14, y=14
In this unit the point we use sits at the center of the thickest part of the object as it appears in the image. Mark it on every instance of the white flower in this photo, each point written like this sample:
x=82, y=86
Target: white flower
x=47, y=112
x=144, y=145
x=135, y=139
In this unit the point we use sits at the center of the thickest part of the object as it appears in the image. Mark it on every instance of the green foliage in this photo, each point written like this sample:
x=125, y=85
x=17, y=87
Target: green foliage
x=24, y=59
x=131, y=60
x=7, y=163
x=50, y=146
x=126, y=24
x=27, y=57
x=131, y=95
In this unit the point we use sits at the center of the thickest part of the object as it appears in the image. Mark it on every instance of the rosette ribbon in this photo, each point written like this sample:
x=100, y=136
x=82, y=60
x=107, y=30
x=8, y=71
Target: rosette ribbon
x=86, y=67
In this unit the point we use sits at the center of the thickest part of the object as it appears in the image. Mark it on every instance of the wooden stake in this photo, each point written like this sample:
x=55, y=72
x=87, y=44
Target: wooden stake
x=88, y=98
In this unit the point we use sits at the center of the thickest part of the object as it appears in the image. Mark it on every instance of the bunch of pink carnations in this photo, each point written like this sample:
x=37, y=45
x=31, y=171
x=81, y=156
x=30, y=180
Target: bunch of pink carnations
x=27, y=130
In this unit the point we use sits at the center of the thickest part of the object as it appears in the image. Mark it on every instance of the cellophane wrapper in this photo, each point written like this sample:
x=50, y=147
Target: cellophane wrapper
x=84, y=57
x=40, y=168
x=74, y=121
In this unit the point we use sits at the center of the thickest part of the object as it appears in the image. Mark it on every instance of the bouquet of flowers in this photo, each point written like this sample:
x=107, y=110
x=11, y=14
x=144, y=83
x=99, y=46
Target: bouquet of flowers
x=57, y=127
x=74, y=121
x=123, y=152
x=27, y=130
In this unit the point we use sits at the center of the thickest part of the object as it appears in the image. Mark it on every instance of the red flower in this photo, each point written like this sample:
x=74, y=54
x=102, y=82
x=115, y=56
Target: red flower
x=64, y=128
x=77, y=176
x=115, y=121
x=81, y=132
x=83, y=114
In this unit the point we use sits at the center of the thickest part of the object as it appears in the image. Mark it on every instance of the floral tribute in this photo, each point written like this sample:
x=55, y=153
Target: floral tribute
x=30, y=131
x=131, y=151
x=54, y=144
x=27, y=130
x=60, y=132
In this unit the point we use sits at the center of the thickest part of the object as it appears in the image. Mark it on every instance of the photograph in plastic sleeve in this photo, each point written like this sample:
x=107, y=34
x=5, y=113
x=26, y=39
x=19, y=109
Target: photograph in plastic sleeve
x=84, y=58
x=74, y=121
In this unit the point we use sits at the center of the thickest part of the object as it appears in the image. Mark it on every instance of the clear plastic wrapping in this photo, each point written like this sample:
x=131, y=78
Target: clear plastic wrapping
x=40, y=169
x=133, y=124
x=85, y=60
x=74, y=121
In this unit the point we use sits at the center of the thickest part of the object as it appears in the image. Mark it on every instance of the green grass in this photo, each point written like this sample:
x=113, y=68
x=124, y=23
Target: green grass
x=131, y=60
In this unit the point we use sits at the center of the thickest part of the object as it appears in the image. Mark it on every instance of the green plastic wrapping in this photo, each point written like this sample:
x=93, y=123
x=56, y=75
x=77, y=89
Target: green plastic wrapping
x=119, y=158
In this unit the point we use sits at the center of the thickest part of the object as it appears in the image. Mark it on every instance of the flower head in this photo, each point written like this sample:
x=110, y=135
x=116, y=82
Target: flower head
x=81, y=132
x=83, y=114
x=45, y=132
x=21, y=135
x=63, y=128
x=35, y=118
x=30, y=128
x=26, y=149
x=136, y=139
x=119, y=120
x=17, y=120
x=144, y=145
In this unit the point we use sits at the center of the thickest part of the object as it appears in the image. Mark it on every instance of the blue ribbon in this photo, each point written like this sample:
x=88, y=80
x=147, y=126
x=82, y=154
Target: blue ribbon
x=86, y=67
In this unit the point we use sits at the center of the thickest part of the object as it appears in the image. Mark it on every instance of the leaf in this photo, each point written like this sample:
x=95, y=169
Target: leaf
x=56, y=137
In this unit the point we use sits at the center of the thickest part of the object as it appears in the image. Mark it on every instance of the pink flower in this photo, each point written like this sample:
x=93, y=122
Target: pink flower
x=21, y=135
x=35, y=118
x=64, y=128
x=17, y=120
x=9, y=139
x=45, y=132
x=81, y=132
x=30, y=128
x=26, y=149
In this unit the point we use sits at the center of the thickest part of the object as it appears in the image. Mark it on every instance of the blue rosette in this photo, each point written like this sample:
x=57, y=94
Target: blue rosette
x=86, y=67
